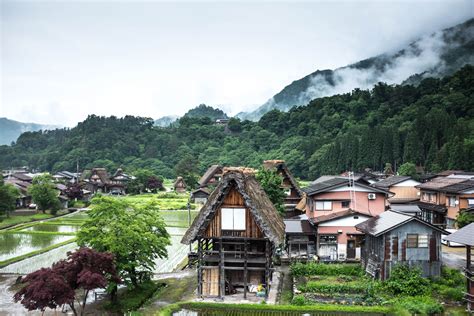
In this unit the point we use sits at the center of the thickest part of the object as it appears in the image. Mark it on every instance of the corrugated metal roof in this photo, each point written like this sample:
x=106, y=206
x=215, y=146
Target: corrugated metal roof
x=463, y=236
x=388, y=182
x=405, y=208
x=389, y=220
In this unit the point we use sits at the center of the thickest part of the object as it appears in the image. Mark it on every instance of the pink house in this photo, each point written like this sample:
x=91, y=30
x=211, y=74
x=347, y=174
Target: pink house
x=335, y=205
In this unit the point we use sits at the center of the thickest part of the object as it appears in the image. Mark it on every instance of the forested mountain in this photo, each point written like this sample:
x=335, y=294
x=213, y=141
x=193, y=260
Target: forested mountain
x=203, y=111
x=435, y=55
x=10, y=129
x=431, y=125
x=166, y=121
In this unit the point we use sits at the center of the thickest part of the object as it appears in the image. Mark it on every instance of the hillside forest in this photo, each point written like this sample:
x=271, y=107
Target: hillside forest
x=430, y=125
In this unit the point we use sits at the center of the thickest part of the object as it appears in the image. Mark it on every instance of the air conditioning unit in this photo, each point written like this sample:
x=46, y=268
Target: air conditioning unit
x=371, y=196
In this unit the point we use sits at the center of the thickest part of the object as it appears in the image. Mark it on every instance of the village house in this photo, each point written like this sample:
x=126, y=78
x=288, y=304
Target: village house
x=237, y=232
x=95, y=180
x=403, y=187
x=200, y=195
x=393, y=238
x=179, y=185
x=66, y=176
x=442, y=198
x=300, y=238
x=293, y=193
x=211, y=177
x=334, y=206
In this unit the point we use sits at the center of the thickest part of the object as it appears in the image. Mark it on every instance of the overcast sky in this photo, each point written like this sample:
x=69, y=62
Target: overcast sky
x=61, y=61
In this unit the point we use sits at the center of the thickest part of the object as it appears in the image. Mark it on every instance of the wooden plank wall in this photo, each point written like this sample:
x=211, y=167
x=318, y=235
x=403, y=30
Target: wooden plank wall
x=233, y=199
x=210, y=284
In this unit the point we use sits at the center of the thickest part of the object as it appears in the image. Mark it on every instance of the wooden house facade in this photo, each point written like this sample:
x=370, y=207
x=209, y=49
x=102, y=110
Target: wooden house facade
x=393, y=238
x=292, y=190
x=237, y=232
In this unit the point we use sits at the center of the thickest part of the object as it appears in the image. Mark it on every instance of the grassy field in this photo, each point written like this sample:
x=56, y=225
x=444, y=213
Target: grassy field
x=165, y=201
x=20, y=219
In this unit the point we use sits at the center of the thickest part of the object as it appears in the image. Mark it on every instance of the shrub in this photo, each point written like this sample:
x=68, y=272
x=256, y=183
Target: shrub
x=299, y=300
x=405, y=280
x=308, y=269
x=418, y=305
x=450, y=285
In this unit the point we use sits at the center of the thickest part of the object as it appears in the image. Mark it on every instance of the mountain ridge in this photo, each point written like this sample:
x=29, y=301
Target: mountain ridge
x=435, y=55
x=11, y=129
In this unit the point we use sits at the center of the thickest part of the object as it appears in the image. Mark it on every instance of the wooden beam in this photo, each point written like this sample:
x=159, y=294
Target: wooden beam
x=221, y=271
x=199, y=268
x=245, y=269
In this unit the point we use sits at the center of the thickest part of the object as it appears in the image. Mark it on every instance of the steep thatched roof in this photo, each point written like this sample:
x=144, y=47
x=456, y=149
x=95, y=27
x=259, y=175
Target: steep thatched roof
x=178, y=181
x=261, y=208
x=210, y=173
x=280, y=165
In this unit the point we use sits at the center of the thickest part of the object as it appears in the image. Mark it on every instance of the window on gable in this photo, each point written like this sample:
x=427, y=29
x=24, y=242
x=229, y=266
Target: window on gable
x=233, y=219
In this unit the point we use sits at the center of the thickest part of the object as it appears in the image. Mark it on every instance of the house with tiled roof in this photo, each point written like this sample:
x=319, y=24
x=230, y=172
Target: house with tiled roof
x=443, y=198
x=403, y=187
x=334, y=206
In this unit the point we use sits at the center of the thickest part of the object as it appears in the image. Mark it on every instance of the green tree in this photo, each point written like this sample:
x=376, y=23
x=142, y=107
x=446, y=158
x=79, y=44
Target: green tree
x=187, y=168
x=271, y=183
x=408, y=169
x=44, y=194
x=8, y=196
x=464, y=218
x=135, y=234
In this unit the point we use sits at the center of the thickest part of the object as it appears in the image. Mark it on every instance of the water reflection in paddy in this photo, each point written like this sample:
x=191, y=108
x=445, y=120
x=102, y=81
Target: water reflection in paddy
x=14, y=244
x=53, y=228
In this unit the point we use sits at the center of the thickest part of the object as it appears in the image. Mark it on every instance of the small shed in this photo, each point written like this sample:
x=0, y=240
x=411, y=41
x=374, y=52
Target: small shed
x=200, y=195
x=179, y=185
x=301, y=237
x=397, y=238
x=465, y=236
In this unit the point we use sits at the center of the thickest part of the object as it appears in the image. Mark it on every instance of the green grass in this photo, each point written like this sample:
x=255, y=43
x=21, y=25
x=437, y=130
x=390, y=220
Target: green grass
x=19, y=219
x=34, y=253
x=133, y=299
x=165, y=201
x=273, y=308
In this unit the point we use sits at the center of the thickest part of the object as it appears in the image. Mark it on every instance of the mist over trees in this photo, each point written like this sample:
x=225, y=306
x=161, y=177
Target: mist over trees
x=430, y=125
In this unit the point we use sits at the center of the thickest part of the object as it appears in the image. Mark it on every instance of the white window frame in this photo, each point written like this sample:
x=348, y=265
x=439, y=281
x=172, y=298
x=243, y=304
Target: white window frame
x=451, y=201
x=233, y=218
x=423, y=240
x=323, y=205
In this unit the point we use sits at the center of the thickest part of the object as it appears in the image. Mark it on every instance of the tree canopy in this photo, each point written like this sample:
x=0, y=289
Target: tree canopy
x=135, y=234
x=430, y=125
x=8, y=196
x=44, y=193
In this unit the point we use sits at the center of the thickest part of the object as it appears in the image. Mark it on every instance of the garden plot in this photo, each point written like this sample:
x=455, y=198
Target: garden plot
x=332, y=283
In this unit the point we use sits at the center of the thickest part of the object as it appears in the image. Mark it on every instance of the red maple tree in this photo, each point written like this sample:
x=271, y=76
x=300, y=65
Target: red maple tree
x=84, y=269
